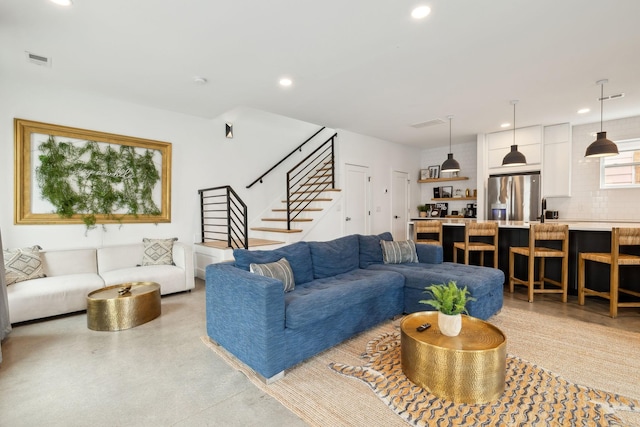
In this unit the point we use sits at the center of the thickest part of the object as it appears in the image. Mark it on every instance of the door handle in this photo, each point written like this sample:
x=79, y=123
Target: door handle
x=348, y=218
x=396, y=216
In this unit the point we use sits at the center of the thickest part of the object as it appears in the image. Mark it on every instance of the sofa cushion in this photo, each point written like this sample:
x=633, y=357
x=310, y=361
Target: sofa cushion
x=335, y=256
x=297, y=254
x=22, y=264
x=158, y=251
x=334, y=296
x=280, y=270
x=370, y=249
x=398, y=252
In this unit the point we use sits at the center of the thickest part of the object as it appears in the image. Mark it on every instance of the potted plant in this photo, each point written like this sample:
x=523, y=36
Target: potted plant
x=422, y=210
x=451, y=302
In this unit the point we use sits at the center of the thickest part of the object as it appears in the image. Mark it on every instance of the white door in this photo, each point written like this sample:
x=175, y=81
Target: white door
x=399, y=205
x=356, y=198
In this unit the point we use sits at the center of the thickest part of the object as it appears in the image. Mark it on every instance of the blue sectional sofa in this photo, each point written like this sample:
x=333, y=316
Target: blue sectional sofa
x=342, y=287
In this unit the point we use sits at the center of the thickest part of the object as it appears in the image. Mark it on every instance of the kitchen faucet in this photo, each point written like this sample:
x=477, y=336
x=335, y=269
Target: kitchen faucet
x=544, y=208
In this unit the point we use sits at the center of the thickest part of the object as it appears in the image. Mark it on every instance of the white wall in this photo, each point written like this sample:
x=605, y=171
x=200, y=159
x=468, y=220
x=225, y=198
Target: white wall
x=466, y=155
x=382, y=158
x=588, y=201
x=202, y=157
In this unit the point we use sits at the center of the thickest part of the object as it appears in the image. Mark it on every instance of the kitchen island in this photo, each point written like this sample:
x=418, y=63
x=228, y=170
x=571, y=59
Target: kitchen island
x=584, y=236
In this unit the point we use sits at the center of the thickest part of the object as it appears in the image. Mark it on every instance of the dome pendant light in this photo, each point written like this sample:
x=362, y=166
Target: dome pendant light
x=451, y=164
x=514, y=157
x=601, y=147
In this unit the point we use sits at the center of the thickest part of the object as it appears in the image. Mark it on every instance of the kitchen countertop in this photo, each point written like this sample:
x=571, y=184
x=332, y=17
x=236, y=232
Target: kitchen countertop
x=577, y=225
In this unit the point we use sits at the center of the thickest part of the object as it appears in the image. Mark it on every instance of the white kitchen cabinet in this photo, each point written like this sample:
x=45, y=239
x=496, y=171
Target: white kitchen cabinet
x=556, y=162
x=529, y=141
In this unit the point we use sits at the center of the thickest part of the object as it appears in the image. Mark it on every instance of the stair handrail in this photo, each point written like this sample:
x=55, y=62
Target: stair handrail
x=321, y=156
x=237, y=230
x=298, y=148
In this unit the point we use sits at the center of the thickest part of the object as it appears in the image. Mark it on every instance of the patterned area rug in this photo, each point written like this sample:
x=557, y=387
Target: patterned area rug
x=533, y=395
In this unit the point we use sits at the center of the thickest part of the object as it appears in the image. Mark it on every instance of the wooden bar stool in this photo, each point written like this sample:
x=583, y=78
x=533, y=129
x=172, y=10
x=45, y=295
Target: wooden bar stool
x=539, y=235
x=472, y=231
x=431, y=227
x=619, y=237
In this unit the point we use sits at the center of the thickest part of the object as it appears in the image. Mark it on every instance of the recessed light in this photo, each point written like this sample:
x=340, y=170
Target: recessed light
x=583, y=111
x=62, y=2
x=420, y=12
x=505, y=125
x=285, y=82
x=199, y=80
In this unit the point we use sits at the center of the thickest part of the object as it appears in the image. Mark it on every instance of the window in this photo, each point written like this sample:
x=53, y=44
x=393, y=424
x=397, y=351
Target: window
x=623, y=170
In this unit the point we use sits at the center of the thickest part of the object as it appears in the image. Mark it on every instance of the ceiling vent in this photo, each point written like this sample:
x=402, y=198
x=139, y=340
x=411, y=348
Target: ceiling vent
x=428, y=123
x=610, y=97
x=38, y=59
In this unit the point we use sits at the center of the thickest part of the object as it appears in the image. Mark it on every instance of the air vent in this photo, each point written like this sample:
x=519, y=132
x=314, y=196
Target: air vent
x=428, y=123
x=610, y=97
x=38, y=59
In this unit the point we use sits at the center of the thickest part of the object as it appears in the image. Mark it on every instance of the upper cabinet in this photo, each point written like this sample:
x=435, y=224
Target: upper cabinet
x=529, y=142
x=556, y=165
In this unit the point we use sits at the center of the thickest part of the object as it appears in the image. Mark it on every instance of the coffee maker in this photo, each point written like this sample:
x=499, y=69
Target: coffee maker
x=471, y=210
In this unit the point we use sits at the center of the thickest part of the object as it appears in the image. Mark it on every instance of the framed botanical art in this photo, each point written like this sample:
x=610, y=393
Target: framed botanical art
x=66, y=175
x=424, y=174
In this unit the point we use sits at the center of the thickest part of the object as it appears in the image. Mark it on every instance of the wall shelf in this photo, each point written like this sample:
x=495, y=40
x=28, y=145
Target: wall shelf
x=455, y=178
x=451, y=199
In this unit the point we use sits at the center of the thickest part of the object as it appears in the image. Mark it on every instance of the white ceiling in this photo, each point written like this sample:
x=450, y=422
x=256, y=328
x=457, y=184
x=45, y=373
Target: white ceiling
x=360, y=65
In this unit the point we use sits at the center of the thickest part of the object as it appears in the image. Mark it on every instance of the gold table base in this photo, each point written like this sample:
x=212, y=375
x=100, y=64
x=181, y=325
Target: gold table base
x=114, y=308
x=469, y=368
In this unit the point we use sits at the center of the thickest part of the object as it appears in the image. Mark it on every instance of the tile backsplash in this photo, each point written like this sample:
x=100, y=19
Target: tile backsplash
x=588, y=201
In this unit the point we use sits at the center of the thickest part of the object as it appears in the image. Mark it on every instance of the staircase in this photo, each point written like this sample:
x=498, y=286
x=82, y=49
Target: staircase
x=310, y=190
x=310, y=194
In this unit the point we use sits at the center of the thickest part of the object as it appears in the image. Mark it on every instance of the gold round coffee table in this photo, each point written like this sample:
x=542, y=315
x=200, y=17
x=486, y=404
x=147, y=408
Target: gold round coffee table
x=469, y=368
x=124, y=306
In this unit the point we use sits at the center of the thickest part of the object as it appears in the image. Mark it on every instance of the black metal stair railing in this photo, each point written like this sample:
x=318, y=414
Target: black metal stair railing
x=298, y=148
x=223, y=217
x=309, y=178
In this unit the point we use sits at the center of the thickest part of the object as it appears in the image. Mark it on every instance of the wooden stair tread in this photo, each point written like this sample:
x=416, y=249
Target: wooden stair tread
x=276, y=230
x=253, y=242
x=285, y=219
x=316, y=191
x=310, y=200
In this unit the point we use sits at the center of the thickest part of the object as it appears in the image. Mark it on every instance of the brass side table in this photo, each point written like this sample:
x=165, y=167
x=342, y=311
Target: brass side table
x=124, y=306
x=469, y=368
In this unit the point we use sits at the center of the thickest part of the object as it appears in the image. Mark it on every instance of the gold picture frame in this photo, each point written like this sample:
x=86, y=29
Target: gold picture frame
x=28, y=137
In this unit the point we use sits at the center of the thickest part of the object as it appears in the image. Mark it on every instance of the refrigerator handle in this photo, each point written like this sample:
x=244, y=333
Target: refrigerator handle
x=511, y=206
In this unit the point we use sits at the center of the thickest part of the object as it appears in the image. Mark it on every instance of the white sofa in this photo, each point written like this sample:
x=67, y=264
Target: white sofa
x=72, y=274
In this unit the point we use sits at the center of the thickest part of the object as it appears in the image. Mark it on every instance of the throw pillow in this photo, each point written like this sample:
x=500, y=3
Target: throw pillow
x=22, y=264
x=280, y=270
x=399, y=252
x=158, y=251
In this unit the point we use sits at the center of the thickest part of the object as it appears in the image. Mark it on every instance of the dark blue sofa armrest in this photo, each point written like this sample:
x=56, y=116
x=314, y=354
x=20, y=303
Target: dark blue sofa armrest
x=429, y=254
x=245, y=315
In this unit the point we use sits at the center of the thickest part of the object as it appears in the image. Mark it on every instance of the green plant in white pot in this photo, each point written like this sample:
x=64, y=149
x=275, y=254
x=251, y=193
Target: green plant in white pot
x=451, y=302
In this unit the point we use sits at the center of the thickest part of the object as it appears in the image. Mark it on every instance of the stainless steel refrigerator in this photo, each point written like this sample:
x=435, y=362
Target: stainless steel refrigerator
x=514, y=197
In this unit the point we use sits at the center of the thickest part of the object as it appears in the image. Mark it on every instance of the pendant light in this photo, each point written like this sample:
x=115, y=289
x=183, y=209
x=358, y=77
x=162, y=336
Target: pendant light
x=451, y=164
x=601, y=147
x=514, y=157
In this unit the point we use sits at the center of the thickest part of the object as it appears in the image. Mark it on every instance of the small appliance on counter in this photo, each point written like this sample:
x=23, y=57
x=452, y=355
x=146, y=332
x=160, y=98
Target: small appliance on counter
x=471, y=210
x=551, y=214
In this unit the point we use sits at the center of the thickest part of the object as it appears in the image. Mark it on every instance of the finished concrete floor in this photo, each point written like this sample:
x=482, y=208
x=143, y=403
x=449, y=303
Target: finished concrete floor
x=59, y=373
x=56, y=372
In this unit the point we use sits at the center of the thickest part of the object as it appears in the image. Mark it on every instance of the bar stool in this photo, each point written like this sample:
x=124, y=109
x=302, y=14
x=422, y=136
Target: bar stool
x=475, y=230
x=619, y=237
x=540, y=234
x=431, y=227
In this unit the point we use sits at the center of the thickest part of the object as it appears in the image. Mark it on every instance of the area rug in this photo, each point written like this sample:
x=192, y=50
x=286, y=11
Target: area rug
x=532, y=395
x=598, y=362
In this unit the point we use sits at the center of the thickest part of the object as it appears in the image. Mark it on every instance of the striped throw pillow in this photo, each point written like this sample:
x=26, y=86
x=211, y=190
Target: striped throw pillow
x=398, y=252
x=280, y=270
